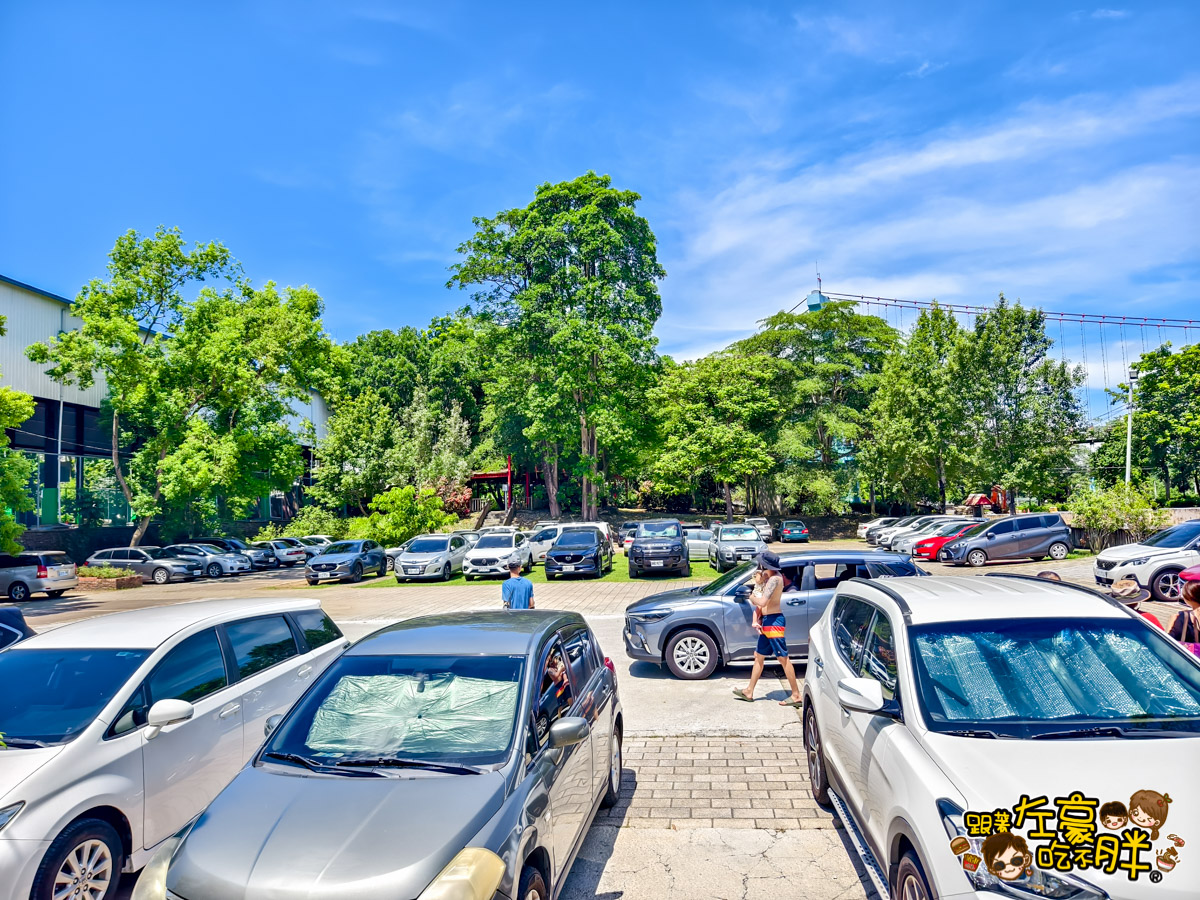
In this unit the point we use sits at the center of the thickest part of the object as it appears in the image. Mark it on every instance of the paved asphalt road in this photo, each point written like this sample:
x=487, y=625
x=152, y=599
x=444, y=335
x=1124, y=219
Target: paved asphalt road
x=715, y=801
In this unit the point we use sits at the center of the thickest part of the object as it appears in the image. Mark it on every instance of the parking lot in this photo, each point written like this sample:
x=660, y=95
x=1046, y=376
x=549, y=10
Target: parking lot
x=715, y=799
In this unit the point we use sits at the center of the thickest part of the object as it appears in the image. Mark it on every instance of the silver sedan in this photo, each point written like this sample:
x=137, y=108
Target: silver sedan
x=432, y=556
x=214, y=561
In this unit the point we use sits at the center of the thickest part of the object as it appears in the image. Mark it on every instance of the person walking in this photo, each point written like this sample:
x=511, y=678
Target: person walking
x=517, y=591
x=771, y=628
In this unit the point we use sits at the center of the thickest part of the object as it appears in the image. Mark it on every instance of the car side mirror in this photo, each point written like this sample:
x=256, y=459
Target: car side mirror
x=990, y=536
x=167, y=712
x=271, y=724
x=568, y=731
x=743, y=591
x=860, y=694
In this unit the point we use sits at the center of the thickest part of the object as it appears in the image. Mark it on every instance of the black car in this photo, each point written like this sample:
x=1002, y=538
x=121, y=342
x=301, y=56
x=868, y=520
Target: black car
x=583, y=551
x=260, y=558
x=659, y=546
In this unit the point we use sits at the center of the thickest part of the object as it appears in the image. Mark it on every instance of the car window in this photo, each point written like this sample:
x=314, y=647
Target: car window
x=317, y=627
x=1005, y=527
x=546, y=534
x=1029, y=523
x=879, y=660
x=579, y=657
x=28, y=561
x=260, y=643
x=7, y=562
x=851, y=620
x=191, y=671
x=555, y=695
x=55, y=559
x=1051, y=521
x=895, y=568
x=103, y=554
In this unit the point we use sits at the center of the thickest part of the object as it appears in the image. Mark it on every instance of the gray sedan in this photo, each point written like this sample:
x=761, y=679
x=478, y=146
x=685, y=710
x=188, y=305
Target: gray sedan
x=733, y=544
x=152, y=563
x=461, y=755
x=432, y=556
x=215, y=561
x=346, y=561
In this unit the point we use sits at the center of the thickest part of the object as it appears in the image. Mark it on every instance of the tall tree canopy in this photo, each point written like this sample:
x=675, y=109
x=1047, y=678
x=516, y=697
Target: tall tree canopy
x=15, y=468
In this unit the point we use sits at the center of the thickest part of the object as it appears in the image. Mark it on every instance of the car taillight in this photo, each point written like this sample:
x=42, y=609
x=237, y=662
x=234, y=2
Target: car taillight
x=804, y=531
x=42, y=573
x=608, y=664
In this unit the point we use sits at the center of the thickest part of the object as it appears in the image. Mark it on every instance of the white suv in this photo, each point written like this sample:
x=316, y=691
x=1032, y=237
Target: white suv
x=1156, y=562
x=997, y=735
x=121, y=729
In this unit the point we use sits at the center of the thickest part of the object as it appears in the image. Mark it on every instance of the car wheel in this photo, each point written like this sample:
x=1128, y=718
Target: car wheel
x=83, y=863
x=818, y=780
x=911, y=883
x=356, y=573
x=532, y=886
x=528, y=565
x=468, y=577
x=613, y=793
x=1166, y=586
x=213, y=570
x=686, y=571
x=313, y=582
x=54, y=595
x=943, y=555
x=389, y=564
x=289, y=565
x=446, y=572
x=1059, y=551
x=633, y=573
x=976, y=558
x=692, y=655
x=161, y=576
x=550, y=576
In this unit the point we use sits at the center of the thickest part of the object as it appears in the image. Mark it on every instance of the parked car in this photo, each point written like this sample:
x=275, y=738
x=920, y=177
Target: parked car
x=346, y=561
x=491, y=554
x=692, y=631
x=522, y=744
x=13, y=627
x=764, y=527
x=312, y=546
x=1155, y=562
x=733, y=544
x=319, y=538
x=469, y=536
x=152, y=563
x=931, y=546
x=627, y=537
x=875, y=530
x=699, y=541
x=542, y=539
x=287, y=553
x=579, y=551
x=881, y=522
x=932, y=701
x=1015, y=537
x=215, y=561
x=659, y=545
x=887, y=538
x=394, y=553
x=48, y=572
x=127, y=725
x=260, y=557
x=904, y=543
x=793, y=530
x=436, y=556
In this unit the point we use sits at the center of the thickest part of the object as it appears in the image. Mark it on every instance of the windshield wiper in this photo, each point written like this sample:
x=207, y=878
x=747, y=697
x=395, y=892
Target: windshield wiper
x=308, y=763
x=1105, y=731
x=23, y=742
x=974, y=732
x=395, y=762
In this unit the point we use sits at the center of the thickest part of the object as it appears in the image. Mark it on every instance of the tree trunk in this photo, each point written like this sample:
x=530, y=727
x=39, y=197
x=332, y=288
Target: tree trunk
x=116, y=458
x=1167, y=483
x=550, y=463
x=871, y=488
x=728, y=501
x=941, y=472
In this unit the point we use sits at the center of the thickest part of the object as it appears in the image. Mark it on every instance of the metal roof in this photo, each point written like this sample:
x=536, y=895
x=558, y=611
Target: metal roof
x=36, y=290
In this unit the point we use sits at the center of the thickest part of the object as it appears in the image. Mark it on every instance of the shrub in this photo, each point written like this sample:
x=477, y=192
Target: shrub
x=104, y=572
x=1102, y=514
x=268, y=532
x=401, y=513
x=455, y=497
x=315, y=520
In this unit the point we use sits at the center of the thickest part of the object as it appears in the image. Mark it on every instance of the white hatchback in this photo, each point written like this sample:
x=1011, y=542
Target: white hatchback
x=1004, y=735
x=121, y=729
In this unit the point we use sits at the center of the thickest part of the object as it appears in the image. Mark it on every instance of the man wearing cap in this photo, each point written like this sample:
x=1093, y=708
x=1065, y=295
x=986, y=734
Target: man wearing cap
x=517, y=591
x=772, y=637
x=1131, y=594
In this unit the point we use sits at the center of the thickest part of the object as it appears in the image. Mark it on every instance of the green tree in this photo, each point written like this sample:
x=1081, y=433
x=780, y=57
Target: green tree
x=1166, y=420
x=402, y=513
x=1020, y=402
x=1103, y=513
x=198, y=389
x=571, y=279
x=15, y=468
x=360, y=455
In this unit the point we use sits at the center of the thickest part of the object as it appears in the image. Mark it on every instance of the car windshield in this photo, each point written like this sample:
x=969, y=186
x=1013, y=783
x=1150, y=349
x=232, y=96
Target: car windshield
x=577, y=539
x=61, y=690
x=194, y=549
x=659, y=530
x=947, y=530
x=974, y=530
x=448, y=709
x=1174, y=537
x=158, y=553
x=495, y=542
x=428, y=545
x=793, y=523
x=738, y=533
x=342, y=547
x=718, y=584
x=702, y=535
x=211, y=548
x=1022, y=677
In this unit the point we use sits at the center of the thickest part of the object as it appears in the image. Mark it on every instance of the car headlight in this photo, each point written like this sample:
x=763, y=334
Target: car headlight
x=472, y=875
x=152, y=883
x=1140, y=561
x=647, y=617
x=958, y=546
x=9, y=813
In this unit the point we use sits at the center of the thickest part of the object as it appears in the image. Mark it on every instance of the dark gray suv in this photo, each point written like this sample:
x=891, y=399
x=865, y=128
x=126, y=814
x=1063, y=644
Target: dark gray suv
x=1034, y=536
x=659, y=546
x=692, y=631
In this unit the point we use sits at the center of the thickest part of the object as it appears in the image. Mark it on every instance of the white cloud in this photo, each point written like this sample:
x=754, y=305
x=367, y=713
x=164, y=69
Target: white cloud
x=1110, y=14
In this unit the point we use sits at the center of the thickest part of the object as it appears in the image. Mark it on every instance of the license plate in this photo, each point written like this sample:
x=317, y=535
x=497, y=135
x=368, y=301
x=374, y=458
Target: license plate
x=412, y=571
x=743, y=556
x=656, y=562
x=572, y=568
x=1102, y=579
x=324, y=574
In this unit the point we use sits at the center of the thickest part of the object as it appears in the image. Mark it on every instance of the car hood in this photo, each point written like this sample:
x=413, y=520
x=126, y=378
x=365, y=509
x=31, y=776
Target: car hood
x=673, y=599
x=574, y=551
x=422, y=557
x=17, y=764
x=335, y=557
x=994, y=774
x=273, y=836
x=1133, y=551
x=489, y=552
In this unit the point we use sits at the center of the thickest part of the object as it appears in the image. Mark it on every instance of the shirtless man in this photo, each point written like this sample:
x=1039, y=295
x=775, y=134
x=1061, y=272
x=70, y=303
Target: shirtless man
x=772, y=640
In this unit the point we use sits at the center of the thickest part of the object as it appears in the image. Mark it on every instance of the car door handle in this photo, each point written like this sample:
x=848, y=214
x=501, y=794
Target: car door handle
x=304, y=671
x=820, y=663
x=796, y=602
x=229, y=710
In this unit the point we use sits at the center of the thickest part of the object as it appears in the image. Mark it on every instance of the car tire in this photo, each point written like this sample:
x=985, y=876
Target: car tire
x=692, y=655
x=1166, y=586
x=976, y=558
x=54, y=595
x=818, y=776
x=468, y=577
x=18, y=592
x=532, y=885
x=911, y=883
x=161, y=576
x=550, y=576
x=356, y=573
x=943, y=555
x=389, y=564
x=447, y=574
x=686, y=571
x=88, y=839
x=214, y=570
x=289, y=565
x=633, y=572
x=312, y=582
x=613, y=792
x=1059, y=551
x=528, y=567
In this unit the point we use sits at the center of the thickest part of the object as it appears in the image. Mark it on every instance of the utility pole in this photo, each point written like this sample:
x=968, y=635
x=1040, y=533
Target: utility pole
x=1133, y=374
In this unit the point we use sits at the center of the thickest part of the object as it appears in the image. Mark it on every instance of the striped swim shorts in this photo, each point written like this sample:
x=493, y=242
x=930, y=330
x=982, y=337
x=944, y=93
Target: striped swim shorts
x=773, y=640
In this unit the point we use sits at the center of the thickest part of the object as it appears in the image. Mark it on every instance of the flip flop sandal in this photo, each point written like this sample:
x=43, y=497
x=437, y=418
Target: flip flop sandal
x=794, y=704
x=737, y=692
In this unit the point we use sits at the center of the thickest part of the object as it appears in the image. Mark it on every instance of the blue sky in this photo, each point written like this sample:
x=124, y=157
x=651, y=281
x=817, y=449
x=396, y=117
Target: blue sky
x=914, y=149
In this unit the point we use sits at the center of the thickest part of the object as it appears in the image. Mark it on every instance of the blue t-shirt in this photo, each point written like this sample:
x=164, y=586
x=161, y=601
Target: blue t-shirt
x=517, y=592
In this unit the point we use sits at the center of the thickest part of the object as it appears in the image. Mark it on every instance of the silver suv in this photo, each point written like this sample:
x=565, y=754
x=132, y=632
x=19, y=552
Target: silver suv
x=693, y=631
x=47, y=571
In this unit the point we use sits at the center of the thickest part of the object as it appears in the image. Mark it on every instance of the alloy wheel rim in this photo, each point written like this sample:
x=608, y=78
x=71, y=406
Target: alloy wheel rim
x=1058, y=551
x=86, y=873
x=691, y=654
x=814, y=754
x=614, y=774
x=1168, y=585
x=160, y=577
x=912, y=889
x=977, y=558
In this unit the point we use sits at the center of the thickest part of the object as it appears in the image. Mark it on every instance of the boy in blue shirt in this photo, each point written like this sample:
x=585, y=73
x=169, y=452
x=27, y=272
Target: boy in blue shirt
x=517, y=592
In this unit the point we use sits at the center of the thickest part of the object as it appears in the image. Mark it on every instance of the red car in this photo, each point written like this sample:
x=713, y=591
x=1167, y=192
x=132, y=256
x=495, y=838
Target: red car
x=930, y=547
